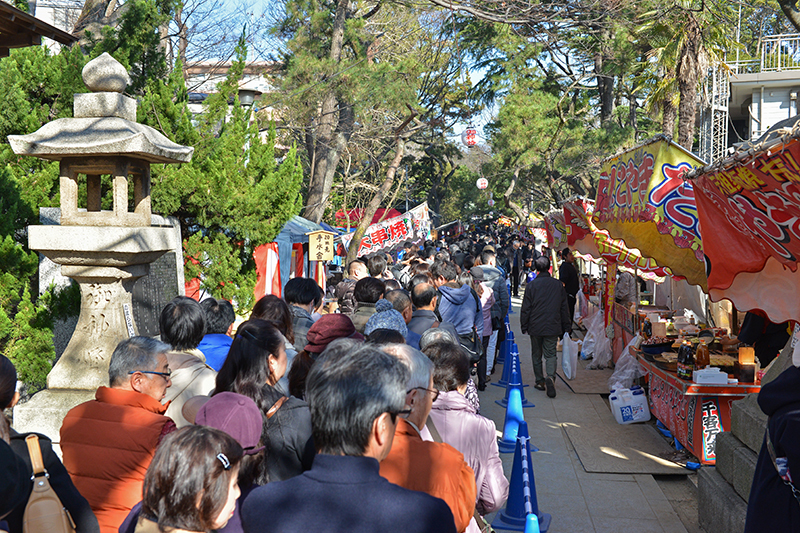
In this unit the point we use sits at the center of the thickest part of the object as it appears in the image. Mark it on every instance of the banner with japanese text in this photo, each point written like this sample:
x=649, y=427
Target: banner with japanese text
x=643, y=200
x=753, y=207
x=588, y=240
x=412, y=226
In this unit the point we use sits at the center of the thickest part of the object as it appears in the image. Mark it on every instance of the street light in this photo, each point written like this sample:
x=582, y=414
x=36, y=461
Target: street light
x=247, y=97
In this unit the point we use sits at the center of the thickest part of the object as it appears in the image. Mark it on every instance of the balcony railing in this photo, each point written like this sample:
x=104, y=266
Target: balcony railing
x=778, y=52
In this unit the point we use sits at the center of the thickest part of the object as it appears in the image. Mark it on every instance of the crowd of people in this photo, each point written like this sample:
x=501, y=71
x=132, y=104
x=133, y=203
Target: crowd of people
x=354, y=410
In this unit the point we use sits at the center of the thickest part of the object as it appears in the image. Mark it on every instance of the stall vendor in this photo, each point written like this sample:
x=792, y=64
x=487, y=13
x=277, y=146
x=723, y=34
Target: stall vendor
x=767, y=338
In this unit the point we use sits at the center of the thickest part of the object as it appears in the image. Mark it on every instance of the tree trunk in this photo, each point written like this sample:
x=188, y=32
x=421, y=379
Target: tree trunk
x=789, y=8
x=328, y=145
x=511, y=204
x=375, y=203
x=669, y=114
x=183, y=39
x=687, y=83
x=605, y=79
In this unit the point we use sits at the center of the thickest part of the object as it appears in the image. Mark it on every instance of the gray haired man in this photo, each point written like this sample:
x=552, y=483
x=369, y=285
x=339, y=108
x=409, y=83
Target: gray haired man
x=355, y=394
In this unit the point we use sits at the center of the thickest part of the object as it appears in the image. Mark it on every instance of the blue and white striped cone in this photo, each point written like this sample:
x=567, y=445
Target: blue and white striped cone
x=522, y=501
x=514, y=383
x=506, y=346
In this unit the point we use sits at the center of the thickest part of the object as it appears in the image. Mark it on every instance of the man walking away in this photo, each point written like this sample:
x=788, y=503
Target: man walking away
x=569, y=277
x=545, y=317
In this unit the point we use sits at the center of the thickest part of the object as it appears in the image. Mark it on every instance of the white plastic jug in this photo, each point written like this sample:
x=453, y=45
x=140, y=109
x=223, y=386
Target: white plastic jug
x=629, y=405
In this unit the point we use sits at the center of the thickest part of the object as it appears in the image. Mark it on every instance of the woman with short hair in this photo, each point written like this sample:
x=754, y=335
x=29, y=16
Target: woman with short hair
x=191, y=484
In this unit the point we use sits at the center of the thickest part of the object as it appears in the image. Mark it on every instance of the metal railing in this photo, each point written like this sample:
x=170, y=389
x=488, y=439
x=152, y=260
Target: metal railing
x=778, y=53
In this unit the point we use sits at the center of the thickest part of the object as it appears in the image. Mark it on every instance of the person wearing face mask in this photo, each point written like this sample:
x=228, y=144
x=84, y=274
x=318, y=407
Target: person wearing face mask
x=255, y=364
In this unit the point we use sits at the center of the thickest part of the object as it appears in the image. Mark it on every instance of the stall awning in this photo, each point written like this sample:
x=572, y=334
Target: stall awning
x=556, y=229
x=643, y=200
x=412, y=226
x=587, y=239
x=749, y=208
x=356, y=215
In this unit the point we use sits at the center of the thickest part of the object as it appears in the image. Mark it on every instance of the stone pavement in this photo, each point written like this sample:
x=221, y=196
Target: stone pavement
x=582, y=502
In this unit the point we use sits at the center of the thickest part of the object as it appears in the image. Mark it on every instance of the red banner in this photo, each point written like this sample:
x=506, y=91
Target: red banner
x=750, y=212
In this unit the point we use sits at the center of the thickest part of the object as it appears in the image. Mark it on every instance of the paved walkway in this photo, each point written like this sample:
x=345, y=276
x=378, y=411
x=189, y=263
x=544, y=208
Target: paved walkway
x=579, y=501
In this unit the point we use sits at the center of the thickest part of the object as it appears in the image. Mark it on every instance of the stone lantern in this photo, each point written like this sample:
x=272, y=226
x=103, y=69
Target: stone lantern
x=105, y=252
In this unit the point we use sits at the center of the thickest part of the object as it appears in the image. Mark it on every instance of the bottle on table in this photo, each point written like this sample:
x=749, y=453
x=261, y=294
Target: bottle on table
x=647, y=328
x=702, y=358
x=686, y=361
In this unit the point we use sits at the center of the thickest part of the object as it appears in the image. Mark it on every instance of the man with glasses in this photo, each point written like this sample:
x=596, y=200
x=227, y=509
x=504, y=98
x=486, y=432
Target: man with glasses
x=431, y=467
x=108, y=442
x=355, y=393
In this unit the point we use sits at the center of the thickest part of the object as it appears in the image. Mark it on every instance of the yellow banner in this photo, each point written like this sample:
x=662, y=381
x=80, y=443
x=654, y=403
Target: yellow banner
x=643, y=199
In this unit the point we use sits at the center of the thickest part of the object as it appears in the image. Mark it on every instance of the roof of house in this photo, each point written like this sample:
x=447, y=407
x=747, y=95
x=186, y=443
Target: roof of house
x=19, y=29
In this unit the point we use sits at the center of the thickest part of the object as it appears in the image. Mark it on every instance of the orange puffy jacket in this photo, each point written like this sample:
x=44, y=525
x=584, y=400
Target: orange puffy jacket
x=435, y=468
x=107, y=445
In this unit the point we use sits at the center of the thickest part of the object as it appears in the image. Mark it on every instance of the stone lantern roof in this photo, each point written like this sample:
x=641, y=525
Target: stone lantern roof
x=104, y=124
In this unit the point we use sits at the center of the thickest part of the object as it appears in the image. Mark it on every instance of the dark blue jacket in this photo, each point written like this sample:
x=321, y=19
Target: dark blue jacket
x=771, y=506
x=458, y=306
x=343, y=493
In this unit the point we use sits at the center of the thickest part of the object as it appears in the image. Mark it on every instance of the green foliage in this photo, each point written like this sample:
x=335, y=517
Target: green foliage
x=233, y=196
x=136, y=41
x=36, y=87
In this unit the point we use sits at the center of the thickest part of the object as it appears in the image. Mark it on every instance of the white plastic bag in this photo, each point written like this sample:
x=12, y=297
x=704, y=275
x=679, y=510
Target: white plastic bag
x=569, y=356
x=590, y=339
x=627, y=368
x=601, y=357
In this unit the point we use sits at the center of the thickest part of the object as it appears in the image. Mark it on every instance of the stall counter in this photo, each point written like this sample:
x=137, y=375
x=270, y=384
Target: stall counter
x=695, y=413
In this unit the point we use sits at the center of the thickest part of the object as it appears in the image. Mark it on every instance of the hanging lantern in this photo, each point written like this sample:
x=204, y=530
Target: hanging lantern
x=482, y=183
x=469, y=136
x=491, y=203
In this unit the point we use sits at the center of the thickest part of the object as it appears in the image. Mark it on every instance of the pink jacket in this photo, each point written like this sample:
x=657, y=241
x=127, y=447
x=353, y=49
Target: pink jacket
x=475, y=437
x=487, y=301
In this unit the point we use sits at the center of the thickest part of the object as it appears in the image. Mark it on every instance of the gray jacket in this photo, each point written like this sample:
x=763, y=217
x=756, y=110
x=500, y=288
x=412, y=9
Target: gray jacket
x=301, y=322
x=495, y=279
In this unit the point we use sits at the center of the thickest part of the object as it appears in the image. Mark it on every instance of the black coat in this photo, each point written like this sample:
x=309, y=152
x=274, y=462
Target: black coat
x=545, y=312
x=771, y=506
x=343, y=493
x=62, y=484
x=287, y=436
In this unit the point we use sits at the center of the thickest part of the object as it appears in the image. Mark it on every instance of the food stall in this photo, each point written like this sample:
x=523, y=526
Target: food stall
x=590, y=241
x=752, y=201
x=695, y=413
x=644, y=200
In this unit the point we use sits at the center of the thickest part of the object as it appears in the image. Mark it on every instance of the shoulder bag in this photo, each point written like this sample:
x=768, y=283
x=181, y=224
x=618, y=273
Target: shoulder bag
x=44, y=511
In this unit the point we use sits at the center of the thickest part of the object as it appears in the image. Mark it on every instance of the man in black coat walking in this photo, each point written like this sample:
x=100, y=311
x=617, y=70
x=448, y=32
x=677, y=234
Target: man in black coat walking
x=545, y=317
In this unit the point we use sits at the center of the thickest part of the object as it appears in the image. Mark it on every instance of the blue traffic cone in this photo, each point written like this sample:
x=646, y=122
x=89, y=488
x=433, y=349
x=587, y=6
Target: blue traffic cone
x=522, y=501
x=514, y=383
x=532, y=524
x=505, y=347
x=510, y=446
x=512, y=362
x=514, y=417
x=501, y=356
